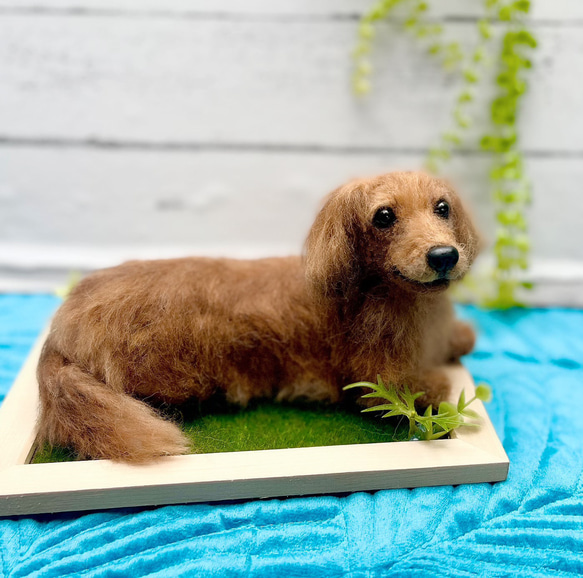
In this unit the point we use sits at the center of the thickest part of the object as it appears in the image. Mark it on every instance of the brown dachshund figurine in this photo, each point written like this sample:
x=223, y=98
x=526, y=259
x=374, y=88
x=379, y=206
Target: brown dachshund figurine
x=367, y=298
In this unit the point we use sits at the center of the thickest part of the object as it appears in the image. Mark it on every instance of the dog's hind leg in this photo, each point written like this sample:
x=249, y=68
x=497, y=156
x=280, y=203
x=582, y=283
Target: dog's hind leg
x=79, y=411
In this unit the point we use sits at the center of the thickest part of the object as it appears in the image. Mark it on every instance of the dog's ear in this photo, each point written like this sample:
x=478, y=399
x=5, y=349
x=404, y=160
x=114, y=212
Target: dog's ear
x=331, y=259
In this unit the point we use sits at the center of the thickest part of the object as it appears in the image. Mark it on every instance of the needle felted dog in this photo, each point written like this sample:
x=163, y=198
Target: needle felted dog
x=366, y=299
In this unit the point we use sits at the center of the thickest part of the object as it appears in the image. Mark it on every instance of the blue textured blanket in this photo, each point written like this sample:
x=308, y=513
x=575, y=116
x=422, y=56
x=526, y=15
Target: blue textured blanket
x=530, y=525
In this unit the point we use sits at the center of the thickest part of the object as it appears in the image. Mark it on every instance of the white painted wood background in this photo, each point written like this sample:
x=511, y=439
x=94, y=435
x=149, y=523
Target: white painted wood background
x=165, y=127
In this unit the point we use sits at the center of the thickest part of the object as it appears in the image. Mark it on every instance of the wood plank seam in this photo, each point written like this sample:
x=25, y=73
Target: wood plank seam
x=267, y=16
x=274, y=148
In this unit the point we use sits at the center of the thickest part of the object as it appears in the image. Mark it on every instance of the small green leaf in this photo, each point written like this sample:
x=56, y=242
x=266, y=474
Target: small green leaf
x=360, y=384
x=470, y=413
x=447, y=408
x=525, y=37
x=361, y=86
x=438, y=435
x=522, y=5
x=375, y=393
x=383, y=407
x=485, y=29
x=487, y=143
x=505, y=14
x=393, y=413
x=483, y=392
x=462, y=400
x=465, y=96
x=422, y=32
x=471, y=76
x=453, y=138
x=366, y=30
x=364, y=67
x=429, y=430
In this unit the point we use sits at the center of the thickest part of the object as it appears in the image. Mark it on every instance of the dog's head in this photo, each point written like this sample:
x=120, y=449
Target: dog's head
x=408, y=229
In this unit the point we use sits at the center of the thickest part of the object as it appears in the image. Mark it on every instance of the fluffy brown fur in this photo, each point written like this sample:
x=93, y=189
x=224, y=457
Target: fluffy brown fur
x=362, y=301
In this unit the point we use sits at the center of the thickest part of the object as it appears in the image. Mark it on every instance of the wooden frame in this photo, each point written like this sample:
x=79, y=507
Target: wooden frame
x=472, y=455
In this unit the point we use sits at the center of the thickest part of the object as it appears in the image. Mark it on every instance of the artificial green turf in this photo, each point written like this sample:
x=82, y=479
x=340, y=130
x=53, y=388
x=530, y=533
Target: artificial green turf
x=48, y=454
x=267, y=425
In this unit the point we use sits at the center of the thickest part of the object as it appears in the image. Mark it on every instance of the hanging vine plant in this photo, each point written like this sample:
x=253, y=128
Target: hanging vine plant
x=508, y=50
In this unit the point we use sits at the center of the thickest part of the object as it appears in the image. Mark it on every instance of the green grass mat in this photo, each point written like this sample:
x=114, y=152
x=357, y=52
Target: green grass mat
x=267, y=425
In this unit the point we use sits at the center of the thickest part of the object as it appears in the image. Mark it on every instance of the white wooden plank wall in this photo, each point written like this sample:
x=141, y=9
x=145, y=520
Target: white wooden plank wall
x=165, y=127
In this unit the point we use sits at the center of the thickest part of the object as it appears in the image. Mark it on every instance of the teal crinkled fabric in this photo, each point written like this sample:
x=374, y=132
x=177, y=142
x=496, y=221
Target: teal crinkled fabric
x=530, y=526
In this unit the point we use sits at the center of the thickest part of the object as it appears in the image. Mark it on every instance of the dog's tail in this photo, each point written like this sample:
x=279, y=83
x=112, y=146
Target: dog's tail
x=81, y=412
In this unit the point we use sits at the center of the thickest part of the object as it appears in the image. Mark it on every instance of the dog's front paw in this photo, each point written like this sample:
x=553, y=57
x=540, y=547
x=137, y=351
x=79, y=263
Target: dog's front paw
x=462, y=340
x=436, y=387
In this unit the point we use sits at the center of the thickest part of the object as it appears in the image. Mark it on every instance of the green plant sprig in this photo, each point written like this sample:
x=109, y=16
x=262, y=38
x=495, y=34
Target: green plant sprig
x=366, y=33
x=450, y=54
x=426, y=426
x=462, y=116
x=511, y=189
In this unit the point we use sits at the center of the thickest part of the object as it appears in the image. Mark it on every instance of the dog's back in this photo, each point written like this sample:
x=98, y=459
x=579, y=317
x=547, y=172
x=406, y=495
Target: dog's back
x=168, y=331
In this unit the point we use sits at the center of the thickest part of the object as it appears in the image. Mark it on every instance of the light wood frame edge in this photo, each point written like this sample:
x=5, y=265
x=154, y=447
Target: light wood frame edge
x=473, y=455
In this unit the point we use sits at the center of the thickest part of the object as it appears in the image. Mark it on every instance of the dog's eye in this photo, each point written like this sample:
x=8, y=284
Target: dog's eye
x=442, y=209
x=384, y=218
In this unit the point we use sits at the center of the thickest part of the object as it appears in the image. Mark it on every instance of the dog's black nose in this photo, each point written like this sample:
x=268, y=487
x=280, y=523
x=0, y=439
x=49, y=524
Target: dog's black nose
x=442, y=259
